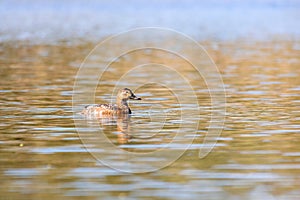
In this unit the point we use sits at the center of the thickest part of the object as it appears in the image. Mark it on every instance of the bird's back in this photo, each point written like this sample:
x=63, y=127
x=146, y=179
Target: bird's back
x=105, y=110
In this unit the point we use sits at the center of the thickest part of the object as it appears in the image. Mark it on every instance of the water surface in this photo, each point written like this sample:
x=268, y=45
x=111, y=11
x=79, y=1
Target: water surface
x=257, y=155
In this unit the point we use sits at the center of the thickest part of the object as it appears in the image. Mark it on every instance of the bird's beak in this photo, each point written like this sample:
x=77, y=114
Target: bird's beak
x=134, y=97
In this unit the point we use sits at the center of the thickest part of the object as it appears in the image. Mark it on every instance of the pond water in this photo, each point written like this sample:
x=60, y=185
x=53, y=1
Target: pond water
x=257, y=156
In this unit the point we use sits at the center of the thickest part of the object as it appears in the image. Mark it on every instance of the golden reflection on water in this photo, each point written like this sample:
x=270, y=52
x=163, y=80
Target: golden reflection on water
x=257, y=155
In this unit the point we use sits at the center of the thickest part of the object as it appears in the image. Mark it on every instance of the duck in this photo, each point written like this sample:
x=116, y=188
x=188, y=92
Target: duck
x=120, y=108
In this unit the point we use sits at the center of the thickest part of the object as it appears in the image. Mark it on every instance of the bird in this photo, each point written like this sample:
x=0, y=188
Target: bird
x=120, y=108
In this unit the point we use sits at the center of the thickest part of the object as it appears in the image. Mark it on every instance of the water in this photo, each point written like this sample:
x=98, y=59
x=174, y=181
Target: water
x=44, y=155
x=50, y=20
x=257, y=155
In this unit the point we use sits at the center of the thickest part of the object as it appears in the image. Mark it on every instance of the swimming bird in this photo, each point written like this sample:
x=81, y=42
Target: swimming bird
x=121, y=107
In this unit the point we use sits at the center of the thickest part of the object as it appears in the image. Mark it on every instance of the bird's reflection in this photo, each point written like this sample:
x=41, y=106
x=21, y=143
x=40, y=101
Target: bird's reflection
x=122, y=123
x=123, y=126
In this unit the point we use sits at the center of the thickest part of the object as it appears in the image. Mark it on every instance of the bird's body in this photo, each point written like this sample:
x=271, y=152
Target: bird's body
x=120, y=108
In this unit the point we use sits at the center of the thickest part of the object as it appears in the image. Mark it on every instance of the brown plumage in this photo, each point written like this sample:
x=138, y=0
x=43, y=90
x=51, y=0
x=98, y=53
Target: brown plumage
x=121, y=107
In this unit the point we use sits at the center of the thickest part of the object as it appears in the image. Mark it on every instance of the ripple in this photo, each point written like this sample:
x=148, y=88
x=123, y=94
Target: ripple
x=61, y=149
x=257, y=166
x=171, y=146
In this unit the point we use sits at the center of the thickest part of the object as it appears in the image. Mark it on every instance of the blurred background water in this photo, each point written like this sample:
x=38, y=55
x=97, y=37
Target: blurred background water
x=256, y=46
x=49, y=21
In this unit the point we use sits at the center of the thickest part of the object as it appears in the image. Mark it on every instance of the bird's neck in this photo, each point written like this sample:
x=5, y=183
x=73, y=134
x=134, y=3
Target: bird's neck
x=122, y=103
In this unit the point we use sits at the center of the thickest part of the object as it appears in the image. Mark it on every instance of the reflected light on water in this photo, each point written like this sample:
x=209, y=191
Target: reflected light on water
x=256, y=157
